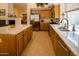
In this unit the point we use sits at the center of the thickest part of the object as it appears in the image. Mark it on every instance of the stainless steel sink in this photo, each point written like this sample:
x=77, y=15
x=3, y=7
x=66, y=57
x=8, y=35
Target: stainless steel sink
x=63, y=29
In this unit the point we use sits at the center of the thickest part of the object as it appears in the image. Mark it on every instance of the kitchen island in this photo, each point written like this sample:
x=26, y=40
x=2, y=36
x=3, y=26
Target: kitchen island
x=65, y=43
x=13, y=39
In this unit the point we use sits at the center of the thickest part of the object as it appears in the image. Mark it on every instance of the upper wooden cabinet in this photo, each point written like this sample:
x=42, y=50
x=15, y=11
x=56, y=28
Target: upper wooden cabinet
x=57, y=11
x=44, y=13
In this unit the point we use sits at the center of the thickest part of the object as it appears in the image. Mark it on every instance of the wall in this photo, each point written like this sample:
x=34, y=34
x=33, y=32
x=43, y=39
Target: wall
x=17, y=12
x=73, y=14
x=19, y=9
x=29, y=6
x=62, y=8
x=71, y=6
x=10, y=8
x=68, y=6
x=4, y=6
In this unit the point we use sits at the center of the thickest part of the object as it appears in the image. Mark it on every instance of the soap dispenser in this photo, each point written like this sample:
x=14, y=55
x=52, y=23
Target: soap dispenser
x=73, y=27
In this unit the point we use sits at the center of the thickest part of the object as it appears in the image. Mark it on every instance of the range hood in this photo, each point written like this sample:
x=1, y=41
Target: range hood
x=42, y=5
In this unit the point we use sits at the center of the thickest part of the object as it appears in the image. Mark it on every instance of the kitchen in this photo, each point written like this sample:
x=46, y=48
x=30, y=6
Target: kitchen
x=39, y=29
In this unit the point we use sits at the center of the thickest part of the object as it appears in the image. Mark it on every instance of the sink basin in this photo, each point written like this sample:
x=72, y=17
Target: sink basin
x=63, y=29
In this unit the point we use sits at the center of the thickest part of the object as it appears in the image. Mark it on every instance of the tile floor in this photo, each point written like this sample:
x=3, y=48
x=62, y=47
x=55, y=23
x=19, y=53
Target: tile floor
x=40, y=45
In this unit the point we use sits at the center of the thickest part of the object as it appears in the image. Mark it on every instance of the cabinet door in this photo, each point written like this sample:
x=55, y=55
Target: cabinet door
x=50, y=29
x=25, y=38
x=46, y=26
x=41, y=26
x=71, y=54
x=57, y=11
x=28, y=34
x=4, y=45
x=61, y=50
x=19, y=46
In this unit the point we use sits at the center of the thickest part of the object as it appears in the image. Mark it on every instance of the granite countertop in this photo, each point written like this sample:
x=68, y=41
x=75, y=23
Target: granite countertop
x=70, y=38
x=15, y=30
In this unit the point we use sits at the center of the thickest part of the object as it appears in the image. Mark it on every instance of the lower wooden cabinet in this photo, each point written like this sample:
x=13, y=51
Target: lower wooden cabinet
x=71, y=54
x=4, y=45
x=27, y=35
x=13, y=45
x=60, y=47
x=19, y=43
x=25, y=38
x=43, y=26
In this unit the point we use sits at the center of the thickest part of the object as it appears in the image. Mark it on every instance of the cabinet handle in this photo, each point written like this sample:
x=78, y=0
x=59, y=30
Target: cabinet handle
x=63, y=46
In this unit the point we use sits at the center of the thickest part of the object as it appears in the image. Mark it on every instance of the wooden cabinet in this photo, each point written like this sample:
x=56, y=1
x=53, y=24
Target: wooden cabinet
x=60, y=47
x=25, y=38
x=72, y=54
x=44, y=13
x=57, y=11
x=19, y=43
x=50, y=31
x=27, y=35
x=53, y=36
x=43, y=26
x=14, y=44
x=4, y=48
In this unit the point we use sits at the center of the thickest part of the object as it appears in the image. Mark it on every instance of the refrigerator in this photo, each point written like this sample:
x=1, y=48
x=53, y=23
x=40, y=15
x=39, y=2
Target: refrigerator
x=35, y=21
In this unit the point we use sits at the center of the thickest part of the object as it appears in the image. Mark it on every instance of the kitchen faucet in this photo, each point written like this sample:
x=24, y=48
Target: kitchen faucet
x=67, y=22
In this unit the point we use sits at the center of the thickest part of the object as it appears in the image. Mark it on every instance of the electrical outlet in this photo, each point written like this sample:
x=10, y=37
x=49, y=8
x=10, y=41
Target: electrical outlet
x=0, y=40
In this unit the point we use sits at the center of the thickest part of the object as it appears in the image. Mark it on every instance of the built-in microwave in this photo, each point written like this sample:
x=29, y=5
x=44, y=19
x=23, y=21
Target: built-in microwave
x=2, y=23
x=6, y=22
x=11, y=22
